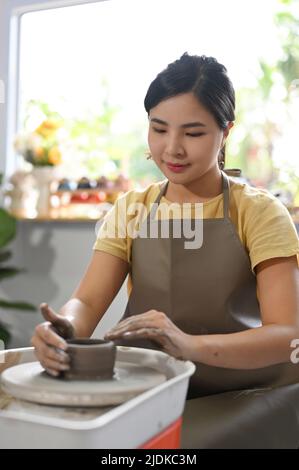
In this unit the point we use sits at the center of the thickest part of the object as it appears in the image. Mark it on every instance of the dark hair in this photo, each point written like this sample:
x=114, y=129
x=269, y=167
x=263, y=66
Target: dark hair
x=203, y=76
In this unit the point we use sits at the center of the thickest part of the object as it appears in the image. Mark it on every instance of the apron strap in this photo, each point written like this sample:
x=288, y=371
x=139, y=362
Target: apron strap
x=162, y=191
x=225, y=189
x=151, y=215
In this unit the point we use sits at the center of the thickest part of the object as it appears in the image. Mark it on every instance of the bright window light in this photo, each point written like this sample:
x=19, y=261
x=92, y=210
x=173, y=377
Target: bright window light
x=75, y=58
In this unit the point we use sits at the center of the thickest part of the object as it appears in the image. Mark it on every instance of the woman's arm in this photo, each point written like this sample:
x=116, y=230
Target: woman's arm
x=80, y=315
x=278, y=289
x=101, y=282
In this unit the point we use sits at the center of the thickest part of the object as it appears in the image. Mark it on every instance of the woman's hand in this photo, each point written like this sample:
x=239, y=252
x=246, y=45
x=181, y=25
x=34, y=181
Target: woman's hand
x=158, y=327
x=48, y=341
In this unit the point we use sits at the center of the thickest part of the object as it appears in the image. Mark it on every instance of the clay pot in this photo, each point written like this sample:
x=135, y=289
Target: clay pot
x=90, y=359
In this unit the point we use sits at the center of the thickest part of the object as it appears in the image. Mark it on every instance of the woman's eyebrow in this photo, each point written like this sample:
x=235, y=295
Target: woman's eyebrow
x=188, y=124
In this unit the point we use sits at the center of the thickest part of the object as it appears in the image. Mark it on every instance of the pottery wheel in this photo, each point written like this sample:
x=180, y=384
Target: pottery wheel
x=30, y=382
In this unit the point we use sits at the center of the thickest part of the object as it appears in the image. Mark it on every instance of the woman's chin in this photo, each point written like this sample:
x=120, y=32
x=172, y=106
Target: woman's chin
x=178, y=178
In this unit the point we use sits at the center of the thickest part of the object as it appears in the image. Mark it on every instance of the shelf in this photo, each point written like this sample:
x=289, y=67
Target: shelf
x=74, y=213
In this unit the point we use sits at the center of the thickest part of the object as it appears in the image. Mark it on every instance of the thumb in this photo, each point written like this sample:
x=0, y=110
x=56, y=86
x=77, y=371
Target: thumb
x=48, y=313
x=62, y=325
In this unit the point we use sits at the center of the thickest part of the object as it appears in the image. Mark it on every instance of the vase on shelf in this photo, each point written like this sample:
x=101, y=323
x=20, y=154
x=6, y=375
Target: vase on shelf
x=44, y=177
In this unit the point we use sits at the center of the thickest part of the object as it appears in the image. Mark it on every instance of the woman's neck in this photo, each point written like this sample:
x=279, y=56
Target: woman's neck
x=203, y=189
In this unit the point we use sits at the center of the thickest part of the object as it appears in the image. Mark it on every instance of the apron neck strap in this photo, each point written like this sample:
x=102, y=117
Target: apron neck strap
x=225, y=190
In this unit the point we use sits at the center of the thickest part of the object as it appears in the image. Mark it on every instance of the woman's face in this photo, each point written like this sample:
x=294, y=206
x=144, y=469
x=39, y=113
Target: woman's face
x=184, y=138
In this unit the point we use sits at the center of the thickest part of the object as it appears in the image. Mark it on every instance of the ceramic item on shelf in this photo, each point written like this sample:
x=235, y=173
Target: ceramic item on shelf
x=66, y=185
x=44, y=176
x=84, y=183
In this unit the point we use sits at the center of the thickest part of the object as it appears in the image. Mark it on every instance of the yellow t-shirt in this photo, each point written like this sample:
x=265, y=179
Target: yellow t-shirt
x=263, y=223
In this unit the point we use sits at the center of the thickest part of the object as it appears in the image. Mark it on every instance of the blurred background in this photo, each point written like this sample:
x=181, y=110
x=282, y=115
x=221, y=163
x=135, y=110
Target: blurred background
x=90, y=65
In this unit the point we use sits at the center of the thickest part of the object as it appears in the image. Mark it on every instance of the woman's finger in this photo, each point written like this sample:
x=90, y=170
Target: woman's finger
x=45, y=332
x=146, y=320
x=161, y=336
x=133, y=325
x=48, y=312
x=147, y=332
x=62, y=325
x=53, y=365
x=152, y=315
x=53, y=372
x=49, y=352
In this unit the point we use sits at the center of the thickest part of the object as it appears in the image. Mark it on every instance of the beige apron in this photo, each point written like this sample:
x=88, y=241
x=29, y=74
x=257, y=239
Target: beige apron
x=208, y=290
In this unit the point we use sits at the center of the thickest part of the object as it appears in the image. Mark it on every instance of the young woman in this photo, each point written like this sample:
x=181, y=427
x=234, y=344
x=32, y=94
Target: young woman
x=230, y=303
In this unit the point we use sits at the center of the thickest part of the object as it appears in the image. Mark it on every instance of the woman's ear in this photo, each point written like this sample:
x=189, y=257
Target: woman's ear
x=228, y=128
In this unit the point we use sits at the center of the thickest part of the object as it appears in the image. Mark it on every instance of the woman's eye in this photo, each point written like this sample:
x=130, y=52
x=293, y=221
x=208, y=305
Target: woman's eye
x=160, y=131
x=195, y=135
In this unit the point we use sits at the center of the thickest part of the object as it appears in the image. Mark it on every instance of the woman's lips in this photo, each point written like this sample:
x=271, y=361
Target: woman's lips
x=176, y=168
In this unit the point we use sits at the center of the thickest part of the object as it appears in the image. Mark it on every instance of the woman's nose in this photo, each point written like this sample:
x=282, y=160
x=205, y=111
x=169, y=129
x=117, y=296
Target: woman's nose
x=174, y=147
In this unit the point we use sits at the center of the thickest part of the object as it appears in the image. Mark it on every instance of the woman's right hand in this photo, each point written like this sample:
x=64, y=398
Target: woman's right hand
x=49, y=343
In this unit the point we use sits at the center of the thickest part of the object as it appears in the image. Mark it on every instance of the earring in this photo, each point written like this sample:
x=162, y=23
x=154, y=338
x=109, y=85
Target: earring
x=148, y=155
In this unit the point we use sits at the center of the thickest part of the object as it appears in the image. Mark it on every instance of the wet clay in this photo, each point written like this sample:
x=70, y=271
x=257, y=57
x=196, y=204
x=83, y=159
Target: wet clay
x=90, y=359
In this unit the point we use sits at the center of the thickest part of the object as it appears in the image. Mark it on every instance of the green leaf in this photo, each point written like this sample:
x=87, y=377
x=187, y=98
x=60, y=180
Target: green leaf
x=7, y=227
x=5, y=255
x=9, y=272
x=4, y=335
x=17, y=305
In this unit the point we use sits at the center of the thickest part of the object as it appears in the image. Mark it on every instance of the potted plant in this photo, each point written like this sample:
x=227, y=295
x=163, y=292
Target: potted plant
x=7, y=234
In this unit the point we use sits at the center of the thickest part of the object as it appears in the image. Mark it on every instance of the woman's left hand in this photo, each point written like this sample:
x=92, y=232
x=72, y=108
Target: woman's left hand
x=158, y=327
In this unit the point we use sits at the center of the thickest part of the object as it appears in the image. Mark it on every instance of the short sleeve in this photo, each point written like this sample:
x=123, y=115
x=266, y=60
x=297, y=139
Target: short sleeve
x=122, y=222
x=270, y=231
x=111, y=235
